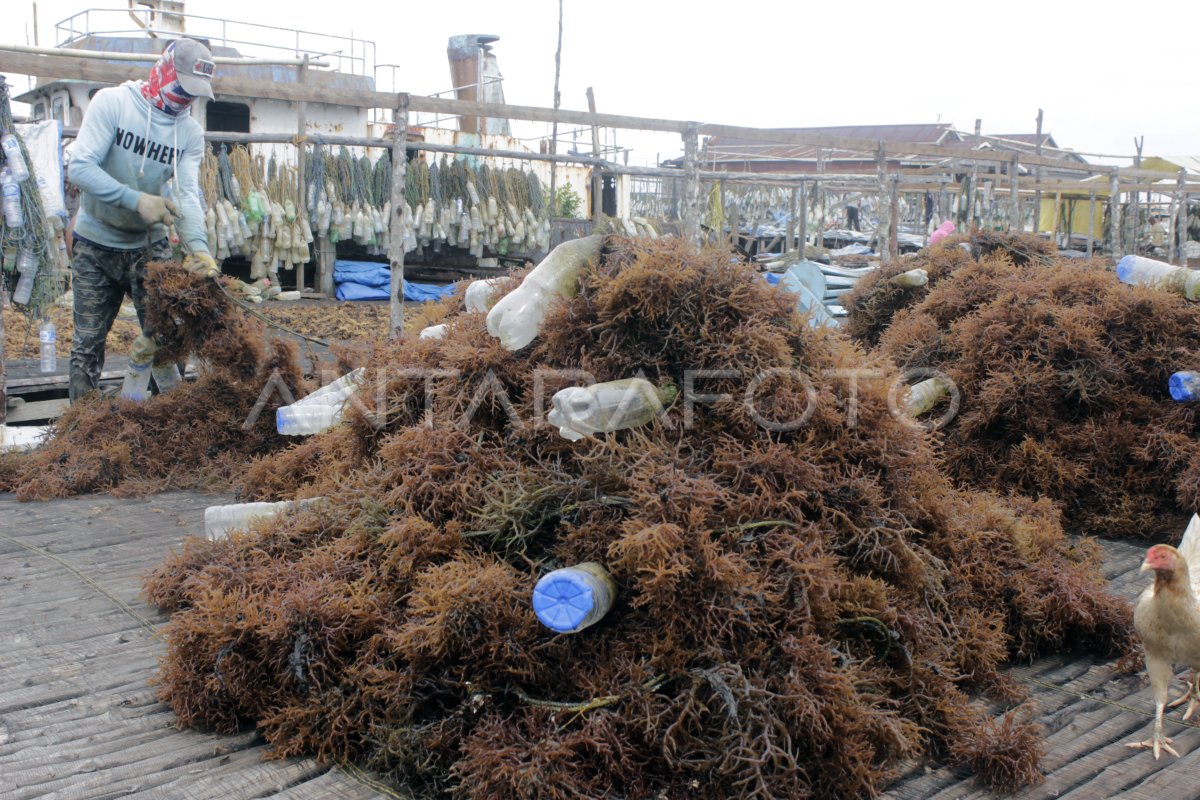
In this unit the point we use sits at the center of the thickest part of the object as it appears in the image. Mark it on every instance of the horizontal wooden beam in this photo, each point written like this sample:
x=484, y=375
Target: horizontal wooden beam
x=54, y=66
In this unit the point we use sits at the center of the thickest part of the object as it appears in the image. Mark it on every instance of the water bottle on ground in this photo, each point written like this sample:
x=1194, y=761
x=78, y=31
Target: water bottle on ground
x=1184, y=387
x=306, y=420
x=1141, y=271
x=912, y=278
x=479, y=294
x=14, y=158
x=14, y=216
x=517, y=318
x=605, y=407
x=923, y=396
x=220, y=520
x=343, y=387
x=166, y=376
x=570, y=599
x=433, y=332
x=48, y=339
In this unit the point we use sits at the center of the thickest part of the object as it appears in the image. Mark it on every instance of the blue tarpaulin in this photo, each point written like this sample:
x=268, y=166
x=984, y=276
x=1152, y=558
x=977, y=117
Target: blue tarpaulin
x=370, y=280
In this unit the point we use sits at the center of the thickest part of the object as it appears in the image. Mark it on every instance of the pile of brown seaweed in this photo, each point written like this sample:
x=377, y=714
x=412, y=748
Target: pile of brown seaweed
x=1063, y=377
x=800, y=606
x=875, y=299
x=200, y=434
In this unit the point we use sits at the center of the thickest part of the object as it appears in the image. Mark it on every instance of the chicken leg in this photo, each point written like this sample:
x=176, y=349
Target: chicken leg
x=1192, y=696
x=1160, y=680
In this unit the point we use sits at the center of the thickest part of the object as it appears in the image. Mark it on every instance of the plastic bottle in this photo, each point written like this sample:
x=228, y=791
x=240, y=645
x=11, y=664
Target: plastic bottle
x=27, y=268
x=305, y=420
x=912, y=278
x=343, y=387
x=14, y=216
x=479, y=294
x=434, y=332
x=136, y=385
x=1159, y=275
x=925, y=395
x=48, y=339
x=516, y=319
x=570, y=599
x=15, y=160
x=166, y=376
x=1185, y=387
x=604, y=407
x=220, y=520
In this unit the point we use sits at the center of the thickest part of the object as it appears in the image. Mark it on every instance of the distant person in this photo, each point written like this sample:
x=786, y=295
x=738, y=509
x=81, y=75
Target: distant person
x=134, y=139
x=852, y=218
x=1158, y=236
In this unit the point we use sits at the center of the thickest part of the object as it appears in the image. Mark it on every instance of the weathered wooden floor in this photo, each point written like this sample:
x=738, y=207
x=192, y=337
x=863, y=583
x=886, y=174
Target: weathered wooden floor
x=79, y=720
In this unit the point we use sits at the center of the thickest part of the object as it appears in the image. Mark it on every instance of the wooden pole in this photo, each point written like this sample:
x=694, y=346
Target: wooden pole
x=975, y=174
x=1054, y=219
x=803, y=237
x=790, y=244
x=1179, y=221
x=597, y=173
x=691, y=184
x=1114, y=216
x=3, y=377
x=1091, y=222
x=554, y=125
x=1135, y=204
x=819, y=197
x=881, y=173
x=1037, y=196
x=396, y=226
x=894, y=223
x=301, y=131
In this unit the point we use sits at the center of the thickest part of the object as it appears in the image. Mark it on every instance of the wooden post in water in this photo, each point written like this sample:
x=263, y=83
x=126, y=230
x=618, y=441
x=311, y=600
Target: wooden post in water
x=691, y=184
x=396, y=225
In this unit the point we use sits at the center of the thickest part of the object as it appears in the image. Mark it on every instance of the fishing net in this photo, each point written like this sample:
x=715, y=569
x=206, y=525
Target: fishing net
x=800, y=609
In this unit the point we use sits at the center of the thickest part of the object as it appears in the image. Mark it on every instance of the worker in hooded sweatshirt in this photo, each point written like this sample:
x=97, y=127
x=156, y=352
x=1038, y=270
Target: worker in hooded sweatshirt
x=136, y=162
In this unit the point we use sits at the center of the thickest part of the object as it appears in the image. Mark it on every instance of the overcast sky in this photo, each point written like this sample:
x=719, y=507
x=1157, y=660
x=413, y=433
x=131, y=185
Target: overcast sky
x=1101, y=79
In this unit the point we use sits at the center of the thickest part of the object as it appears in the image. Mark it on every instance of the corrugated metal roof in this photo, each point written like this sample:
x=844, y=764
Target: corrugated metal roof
x=727, y=148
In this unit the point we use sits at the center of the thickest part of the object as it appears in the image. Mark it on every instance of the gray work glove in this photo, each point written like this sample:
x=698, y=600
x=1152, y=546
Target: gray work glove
x=154, y=209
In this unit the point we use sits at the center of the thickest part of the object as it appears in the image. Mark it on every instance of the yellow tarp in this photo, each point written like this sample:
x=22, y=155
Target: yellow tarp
x=1074, y=206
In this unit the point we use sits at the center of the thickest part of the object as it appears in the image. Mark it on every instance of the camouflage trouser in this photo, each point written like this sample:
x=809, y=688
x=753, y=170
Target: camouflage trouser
x=100, y=279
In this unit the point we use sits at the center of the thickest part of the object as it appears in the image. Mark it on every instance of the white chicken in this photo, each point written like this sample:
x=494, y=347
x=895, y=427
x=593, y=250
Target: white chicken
x=1167, y=617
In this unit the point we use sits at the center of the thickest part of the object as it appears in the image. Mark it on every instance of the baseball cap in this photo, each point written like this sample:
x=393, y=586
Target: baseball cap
x=194, y=67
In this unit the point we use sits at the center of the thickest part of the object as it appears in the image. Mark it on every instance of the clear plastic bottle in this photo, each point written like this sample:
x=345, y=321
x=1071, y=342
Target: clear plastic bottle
x=570, y=599
x=136, y=385
x=14, y=216
x=337, y=390
x=27, y=268
x=517, y=317
x=1159, y=275
x=305, y=420
x=48, y=341
x=166, y=376
x=220, y=520
x=604, y=407
x=479, y=294
x=14, y=159
x=923, y=396
x=1185, y=387
x=912, y=278
x=433, y=332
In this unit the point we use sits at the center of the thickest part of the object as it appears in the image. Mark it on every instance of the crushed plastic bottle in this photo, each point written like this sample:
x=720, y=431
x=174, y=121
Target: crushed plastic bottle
x=517, y=317
x=220, y=520
x=166, y=376
x=48, y=346
x=1141, y=271
x=320, y=410
x=923, y=396
x=605, y=407
x=14, y=159
x=433, y=332
x=570, y=599
x=912, y=278
x=136, y=385
x=1184, y=387
x=479, y=294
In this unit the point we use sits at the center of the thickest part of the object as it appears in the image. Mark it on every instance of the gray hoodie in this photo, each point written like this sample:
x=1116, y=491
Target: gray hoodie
x=125, y=147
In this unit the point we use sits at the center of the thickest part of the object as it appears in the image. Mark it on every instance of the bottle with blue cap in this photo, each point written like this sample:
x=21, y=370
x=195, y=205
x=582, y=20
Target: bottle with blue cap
x=570, y=599
x=1184, y=387
x=1141, y=271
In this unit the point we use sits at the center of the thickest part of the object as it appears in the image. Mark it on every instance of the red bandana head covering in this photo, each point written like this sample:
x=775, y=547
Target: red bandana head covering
x=163, y=88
